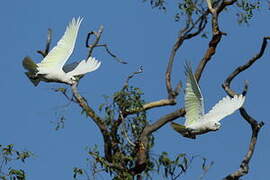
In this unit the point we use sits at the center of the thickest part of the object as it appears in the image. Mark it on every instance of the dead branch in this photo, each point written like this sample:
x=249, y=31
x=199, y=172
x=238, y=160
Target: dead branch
x=97, y=120
x=154, y=104
x=48, y=43
x=111, y=54
x=184, y=34
x=255, y=125
x=226, y=84
x=140, y=70
x=95, y=43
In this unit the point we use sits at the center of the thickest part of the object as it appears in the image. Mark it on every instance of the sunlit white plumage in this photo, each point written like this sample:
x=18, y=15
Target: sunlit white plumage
x=52, y=68
x=196, y=121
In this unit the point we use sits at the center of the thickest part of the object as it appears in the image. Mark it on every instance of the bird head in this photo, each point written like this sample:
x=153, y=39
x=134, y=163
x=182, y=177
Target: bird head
x=71, y=80
x=215, y=126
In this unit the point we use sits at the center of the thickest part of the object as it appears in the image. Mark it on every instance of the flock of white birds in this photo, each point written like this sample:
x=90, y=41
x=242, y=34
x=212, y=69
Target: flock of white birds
x=53, y=69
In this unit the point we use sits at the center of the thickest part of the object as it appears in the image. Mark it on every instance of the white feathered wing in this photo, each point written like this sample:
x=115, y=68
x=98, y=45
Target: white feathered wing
x=225, y=107
x=58, y=56
x=83, y=67
x=194, y=104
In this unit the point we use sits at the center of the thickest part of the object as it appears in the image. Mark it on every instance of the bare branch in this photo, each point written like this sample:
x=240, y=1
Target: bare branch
x=140, y=70
x=98, y=121
x=225, y=4
x=217, y=35
x=48, y=43
x=162, y=102
x=226, y=84
x=210, y=7
x=154, y=104
x=90, y=112
x=183, y=35
x=64, y=92
x=111, y=54
x=255, y=126
x=244, y=166
x=94, y=44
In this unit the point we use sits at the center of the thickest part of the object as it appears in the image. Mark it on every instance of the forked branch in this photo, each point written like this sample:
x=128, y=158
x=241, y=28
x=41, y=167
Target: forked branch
x=184, y=34
x=96, y=41
x=96, y=44
x=226, y=84
x=255, y=125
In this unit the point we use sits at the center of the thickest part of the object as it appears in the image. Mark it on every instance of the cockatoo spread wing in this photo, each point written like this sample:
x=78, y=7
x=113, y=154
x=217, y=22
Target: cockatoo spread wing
x=85, y=67
x=193, y=98
x=225, y=107
x=58, y=56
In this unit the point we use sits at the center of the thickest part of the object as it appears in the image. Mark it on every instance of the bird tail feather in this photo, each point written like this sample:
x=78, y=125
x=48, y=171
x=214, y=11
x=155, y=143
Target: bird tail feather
x=179, y=128
x=31, y=66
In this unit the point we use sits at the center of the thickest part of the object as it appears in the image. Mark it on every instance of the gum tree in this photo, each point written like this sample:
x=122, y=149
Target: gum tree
x=122, y=120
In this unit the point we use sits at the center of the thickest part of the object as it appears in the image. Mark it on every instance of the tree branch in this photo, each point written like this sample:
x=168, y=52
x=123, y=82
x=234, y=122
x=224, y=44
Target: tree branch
x=94, y=44
x=244, y=166
x=183, y=35
x=226, y=84
x=210, y=7
x=255, y=125
x=111, y=54
x=48, y=43
x=98, y=121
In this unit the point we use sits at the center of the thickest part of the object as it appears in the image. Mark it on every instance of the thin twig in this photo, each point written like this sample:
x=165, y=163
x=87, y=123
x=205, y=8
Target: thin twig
x=140, y=70
x=64, y=92
x=111, y=54
x=48, y=43
x=94, y=44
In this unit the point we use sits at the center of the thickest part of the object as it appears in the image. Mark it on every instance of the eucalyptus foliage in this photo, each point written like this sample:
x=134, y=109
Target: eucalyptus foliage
x=9, y=157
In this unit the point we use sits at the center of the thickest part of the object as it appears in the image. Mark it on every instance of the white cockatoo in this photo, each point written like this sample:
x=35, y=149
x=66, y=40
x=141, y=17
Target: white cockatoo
x=52, y=68
x=196, y=121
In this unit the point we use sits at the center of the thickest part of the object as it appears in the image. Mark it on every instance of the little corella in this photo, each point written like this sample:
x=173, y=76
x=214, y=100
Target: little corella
x=196, y=121
x=52, y=68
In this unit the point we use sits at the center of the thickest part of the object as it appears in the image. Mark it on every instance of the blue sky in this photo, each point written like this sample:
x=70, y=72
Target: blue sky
x=140, y=36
